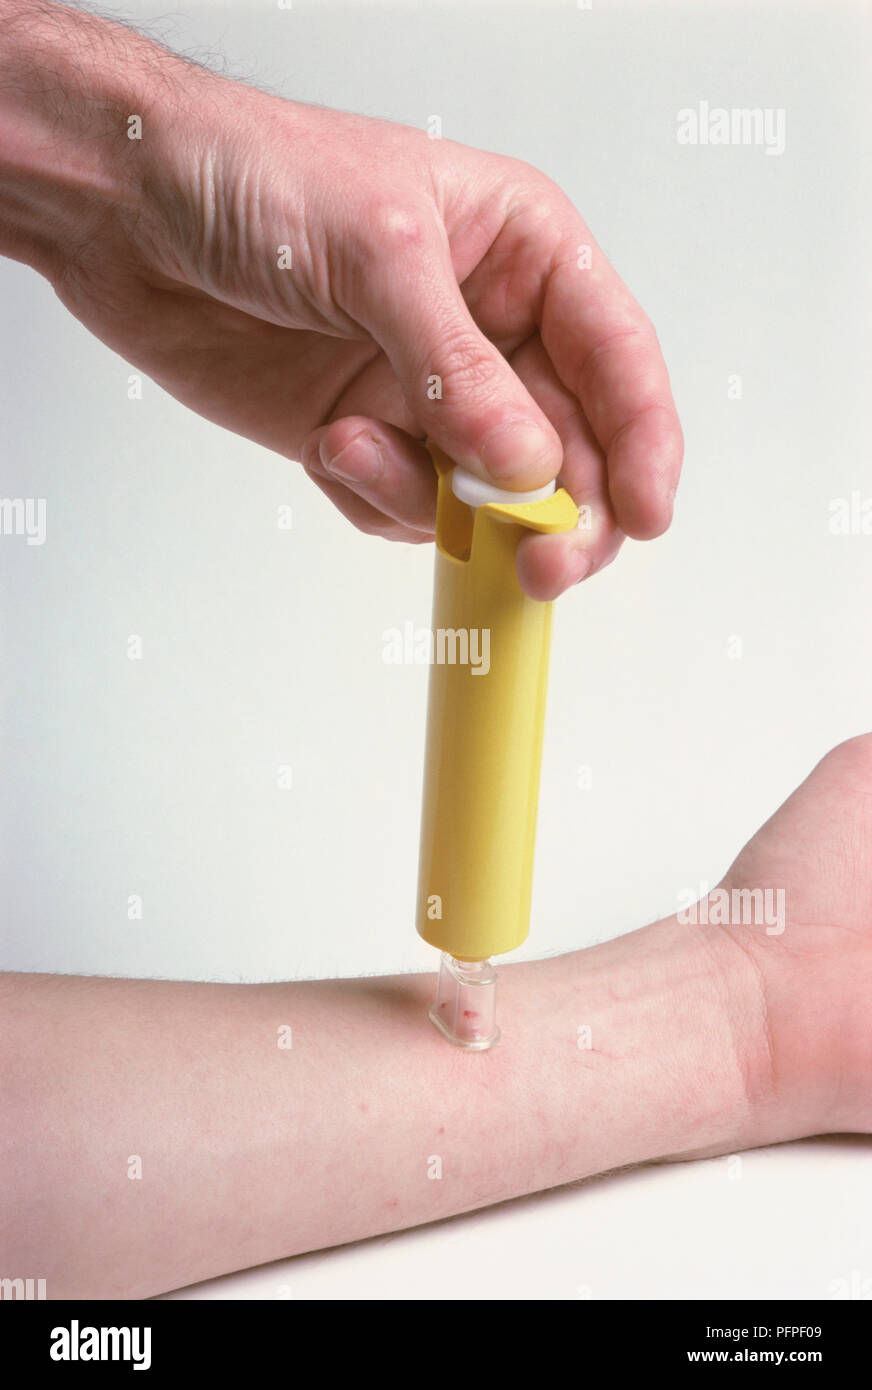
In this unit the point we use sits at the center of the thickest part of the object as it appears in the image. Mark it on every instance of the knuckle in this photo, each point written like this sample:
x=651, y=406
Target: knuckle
x=631, y=341
x=664, y=438
x=393, y=229
x=530, y=178
x=344, y=434
x=467, y=363
x=535, y=197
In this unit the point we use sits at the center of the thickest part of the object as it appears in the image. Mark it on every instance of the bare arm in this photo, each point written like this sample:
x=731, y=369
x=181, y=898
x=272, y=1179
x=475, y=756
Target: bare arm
x=250, y=1151
x=702, y=1039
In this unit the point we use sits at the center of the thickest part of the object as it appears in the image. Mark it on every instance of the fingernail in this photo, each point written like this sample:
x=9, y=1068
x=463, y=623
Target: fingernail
x=515, y=448
x=358, y=461
x=580, y=566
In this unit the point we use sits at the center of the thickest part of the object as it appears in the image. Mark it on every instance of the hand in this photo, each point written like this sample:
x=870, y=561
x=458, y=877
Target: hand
x=428, y=290
x=814, y=979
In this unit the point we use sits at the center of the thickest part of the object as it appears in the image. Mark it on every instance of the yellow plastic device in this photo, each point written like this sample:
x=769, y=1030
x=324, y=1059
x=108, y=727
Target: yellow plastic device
x=485, y=721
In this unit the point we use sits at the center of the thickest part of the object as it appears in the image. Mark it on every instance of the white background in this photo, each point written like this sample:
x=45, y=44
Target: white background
x=264, y=647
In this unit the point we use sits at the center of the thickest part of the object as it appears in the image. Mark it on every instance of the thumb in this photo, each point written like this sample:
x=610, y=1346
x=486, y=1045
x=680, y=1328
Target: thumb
x=460, y=388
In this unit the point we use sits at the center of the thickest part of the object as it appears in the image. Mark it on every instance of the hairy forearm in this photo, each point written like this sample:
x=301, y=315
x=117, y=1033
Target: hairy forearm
x=250, y=1150
x=70, y=85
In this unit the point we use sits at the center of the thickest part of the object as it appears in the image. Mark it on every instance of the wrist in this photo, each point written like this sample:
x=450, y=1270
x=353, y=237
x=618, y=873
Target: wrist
x=75, y=93
x=663, y=1052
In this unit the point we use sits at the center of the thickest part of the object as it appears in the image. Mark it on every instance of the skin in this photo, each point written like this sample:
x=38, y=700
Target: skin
x=411, y=258
x=704, y=1040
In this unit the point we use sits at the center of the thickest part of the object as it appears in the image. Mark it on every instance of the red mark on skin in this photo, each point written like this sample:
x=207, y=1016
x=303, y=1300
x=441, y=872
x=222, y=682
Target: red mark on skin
x=470, y=1013
x=394, y=1202
x=441, y=1129
x=444, y=1004
x=363, y=1108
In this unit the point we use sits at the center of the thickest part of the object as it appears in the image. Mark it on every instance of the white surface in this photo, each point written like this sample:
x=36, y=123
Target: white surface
x=264, y=647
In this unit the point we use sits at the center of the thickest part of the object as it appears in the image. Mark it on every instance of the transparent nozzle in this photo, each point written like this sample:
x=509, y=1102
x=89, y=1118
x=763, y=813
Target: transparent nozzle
x=464, y=1009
